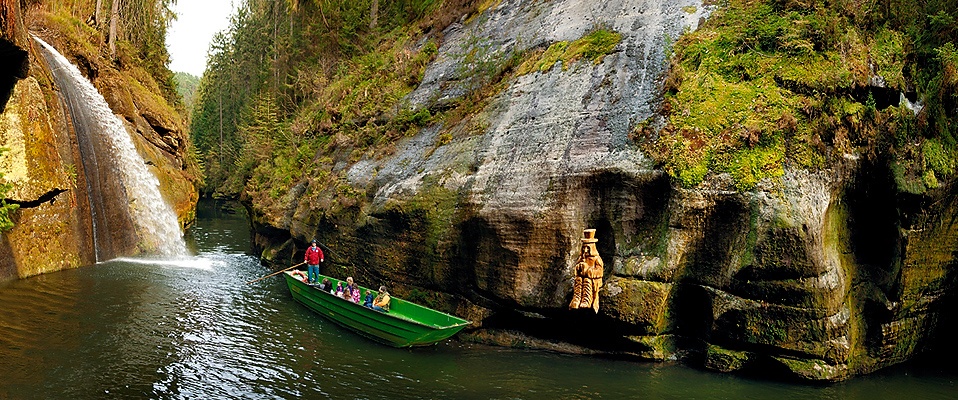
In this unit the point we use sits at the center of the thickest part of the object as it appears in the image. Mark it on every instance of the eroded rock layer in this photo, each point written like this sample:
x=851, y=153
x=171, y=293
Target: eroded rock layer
x=815, y=275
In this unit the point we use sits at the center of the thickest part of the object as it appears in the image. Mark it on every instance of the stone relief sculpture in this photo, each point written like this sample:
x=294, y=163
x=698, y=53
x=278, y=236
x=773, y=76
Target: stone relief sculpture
x=587, y=274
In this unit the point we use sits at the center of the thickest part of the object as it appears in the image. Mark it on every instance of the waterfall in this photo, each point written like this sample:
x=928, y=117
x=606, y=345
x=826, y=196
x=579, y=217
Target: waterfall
x=112, y=168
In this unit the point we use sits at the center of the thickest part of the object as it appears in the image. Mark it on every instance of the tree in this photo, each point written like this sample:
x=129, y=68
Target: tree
x=96, y=13
x=186, y=85
x=276, y=76
x=114, y=18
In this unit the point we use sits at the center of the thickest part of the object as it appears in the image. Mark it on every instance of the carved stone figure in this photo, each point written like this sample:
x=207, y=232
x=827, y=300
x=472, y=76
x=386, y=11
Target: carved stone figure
x=587, y=275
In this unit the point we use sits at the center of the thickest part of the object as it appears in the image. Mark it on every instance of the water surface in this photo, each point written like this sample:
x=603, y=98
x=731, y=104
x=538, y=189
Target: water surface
x=192, y=329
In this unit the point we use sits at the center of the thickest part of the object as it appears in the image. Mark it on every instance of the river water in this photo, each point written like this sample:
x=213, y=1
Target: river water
x=193, y=329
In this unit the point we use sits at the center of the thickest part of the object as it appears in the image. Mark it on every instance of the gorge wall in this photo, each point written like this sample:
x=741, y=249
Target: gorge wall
x=816, y=275
x=45, y=153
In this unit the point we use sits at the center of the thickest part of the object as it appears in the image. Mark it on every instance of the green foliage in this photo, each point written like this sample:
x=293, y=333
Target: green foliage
x=235, y=74
x=408, y=119
x=6, y=210
x=905, y=178
x=77, y=32
x=748, y=166
x=331, y=77
x=766, y=83
x=71, y=171
x=144, y=24
x=186, y=86
x=888, y=54
x=940, y=159
x=141, y=35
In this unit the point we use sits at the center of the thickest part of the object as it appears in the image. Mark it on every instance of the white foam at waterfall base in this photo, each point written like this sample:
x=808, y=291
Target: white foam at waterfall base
x=155, y=221
x=178, y=262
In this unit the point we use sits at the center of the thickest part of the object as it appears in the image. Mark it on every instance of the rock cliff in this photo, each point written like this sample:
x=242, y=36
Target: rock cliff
x=816, y=275
x=44, y=153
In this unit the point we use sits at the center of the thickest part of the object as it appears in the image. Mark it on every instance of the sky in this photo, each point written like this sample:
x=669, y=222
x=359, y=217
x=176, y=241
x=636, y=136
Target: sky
x=188, y=38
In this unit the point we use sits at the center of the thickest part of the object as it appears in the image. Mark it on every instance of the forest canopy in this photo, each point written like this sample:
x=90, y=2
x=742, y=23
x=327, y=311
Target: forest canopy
x=130, y=33
x=290, y=78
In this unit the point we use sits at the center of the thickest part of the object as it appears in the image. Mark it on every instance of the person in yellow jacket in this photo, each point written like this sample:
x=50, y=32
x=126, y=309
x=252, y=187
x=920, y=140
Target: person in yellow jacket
x=381, y=303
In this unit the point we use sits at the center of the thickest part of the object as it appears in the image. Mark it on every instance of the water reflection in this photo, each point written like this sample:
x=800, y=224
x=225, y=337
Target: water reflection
x=191, y=328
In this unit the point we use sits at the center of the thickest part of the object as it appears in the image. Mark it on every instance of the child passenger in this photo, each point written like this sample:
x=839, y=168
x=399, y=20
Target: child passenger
x=369, y=299
x=349, y=286
x=355, y=294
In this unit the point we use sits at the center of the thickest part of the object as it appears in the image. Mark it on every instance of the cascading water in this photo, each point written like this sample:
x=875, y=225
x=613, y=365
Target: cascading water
x=108, y=153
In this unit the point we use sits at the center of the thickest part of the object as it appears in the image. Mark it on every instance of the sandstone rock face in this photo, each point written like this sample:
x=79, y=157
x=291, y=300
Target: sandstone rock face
x=40, y=157
x=56, y=235
x=817, y=275
x=44, y=154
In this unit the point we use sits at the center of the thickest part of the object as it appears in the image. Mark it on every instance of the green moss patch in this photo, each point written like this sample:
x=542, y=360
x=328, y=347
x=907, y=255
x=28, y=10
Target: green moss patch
x=594, y=46
x=725, y=360
x=764, y=84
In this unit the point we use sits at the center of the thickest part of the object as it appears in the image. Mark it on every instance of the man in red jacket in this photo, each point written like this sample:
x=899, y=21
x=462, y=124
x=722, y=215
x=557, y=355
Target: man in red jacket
x=314, y=256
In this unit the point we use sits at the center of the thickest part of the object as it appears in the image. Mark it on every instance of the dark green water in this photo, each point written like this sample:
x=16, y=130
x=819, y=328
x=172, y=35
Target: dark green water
x=192, y=329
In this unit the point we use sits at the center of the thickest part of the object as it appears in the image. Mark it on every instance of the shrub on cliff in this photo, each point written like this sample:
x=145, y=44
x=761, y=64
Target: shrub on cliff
x=766, y=84
x=6, y=210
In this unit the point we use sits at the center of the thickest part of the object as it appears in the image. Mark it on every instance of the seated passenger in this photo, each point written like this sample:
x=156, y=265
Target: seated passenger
x=326, y=286
x=381, y=303
x=339, y=289
x=369, y=299
x=348, y=290
x=355, y=294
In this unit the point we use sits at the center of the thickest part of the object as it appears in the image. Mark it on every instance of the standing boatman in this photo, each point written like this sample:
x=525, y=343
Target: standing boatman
x=314, y=256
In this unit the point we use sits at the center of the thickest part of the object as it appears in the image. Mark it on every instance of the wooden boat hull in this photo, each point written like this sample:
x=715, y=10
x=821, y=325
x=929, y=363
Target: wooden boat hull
x=406, y=324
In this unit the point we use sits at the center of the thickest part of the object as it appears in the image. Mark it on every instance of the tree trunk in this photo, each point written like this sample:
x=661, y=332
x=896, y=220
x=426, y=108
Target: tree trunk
x=114, y=16
x=96, y=14
x=373, y=14
x=221, y=128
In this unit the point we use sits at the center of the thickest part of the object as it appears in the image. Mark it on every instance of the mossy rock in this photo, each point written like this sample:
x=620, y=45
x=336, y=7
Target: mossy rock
x=655, y=347
x=814, y=369
x=725, y=360
x=809, y=332
x=637, y=302
x=278, y=255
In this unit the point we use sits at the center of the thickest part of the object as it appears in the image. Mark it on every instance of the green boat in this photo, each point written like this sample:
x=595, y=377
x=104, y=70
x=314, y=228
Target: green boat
x=404, y=325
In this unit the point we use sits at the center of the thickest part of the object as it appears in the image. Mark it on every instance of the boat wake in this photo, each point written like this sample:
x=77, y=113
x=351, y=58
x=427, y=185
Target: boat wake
x=197, y=262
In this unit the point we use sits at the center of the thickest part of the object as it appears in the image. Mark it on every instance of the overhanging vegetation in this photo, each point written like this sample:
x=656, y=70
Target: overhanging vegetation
x=767, y=84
